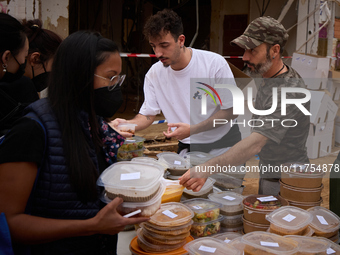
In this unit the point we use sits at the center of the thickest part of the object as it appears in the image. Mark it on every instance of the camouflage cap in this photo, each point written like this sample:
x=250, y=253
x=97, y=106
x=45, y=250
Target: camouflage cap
x=260, y=30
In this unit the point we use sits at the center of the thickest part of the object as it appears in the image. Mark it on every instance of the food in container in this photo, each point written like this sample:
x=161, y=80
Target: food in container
x=237, y=243
x=301, y=175
x=172, y=214
x=259, y=243
x=325, y=223
x=204, y=209
x=134, y=182
x=132, y=144
x=176, y=164
x=203, y=193
x=308, y=232
x=173, y=192
x=168, y=231
x=289, y=220
x=207, y=228
x=234, y=229
x=334, y=248
x=238, y=190
x=227, y=237
x=256, y=207
x=300, y=194
x=232, y=221
x=249, y=226
x=127, y=127
x=128, y=155
x=197, y=158
x=231, y=202
x=158, y=239
x=304, y=205
x=310, y=245
x=225, y=181
x=208, y=246
x=148, y=160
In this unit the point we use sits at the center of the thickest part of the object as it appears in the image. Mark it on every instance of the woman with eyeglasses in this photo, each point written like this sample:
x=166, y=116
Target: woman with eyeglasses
x=50, y=166
x=16, y=91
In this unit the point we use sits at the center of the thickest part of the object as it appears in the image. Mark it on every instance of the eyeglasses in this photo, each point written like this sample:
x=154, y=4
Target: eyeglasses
x=114, y=81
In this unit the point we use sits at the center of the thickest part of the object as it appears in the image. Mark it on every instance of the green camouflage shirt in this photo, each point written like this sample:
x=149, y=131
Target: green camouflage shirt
x=285, y=144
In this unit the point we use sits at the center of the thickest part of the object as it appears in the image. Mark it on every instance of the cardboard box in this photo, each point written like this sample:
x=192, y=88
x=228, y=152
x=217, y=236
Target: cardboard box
x=333, y=84
x=322, y=107
x=319, y=141
x=313, y=69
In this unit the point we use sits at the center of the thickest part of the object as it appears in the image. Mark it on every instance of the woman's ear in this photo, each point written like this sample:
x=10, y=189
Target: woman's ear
x=5, y=56
x=34, y=59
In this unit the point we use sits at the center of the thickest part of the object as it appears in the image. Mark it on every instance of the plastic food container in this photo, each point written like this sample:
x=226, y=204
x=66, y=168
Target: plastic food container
x=132, y=144
x=208, y=246
x=237, y=243
x=299, y=175
x=167, y=231
x=238, y=190
x=160, y=239
x=127, y=127
x=207, y=228
x=231, y=202
x=325, y=223
x=196, y=157
x=175, y=163
x=304, y=205
x=256, y=207
x=300, y=194
x=249, y=226
x=232, y=221
x=173, y=192
x=148, y=160
x=258, y=243
x=334, y=248
x=134, y=182
x=128, y=155
x=171, y=215
x=226, y=182
x=289, y=220
x=204, y=209
x=308, y=232
x=227, y=237
x=148, y=208
x=203, y=193
x=238, y=230
x=310, y=245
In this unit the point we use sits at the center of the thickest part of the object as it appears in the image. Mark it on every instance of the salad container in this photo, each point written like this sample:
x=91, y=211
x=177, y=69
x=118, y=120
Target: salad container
x=204, y=209
x=206, y=228
x=231, y=202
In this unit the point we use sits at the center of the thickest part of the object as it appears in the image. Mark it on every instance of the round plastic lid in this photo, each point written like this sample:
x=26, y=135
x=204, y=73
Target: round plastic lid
x=201, y=205
x=206, y=187
x=227, y=236
x=324, y=220
x=208, y=246
x=226, y=198
x=197, y=157
x=270, y=242
x=334, y=248
x=310, y=244
x=290, y=217
x=173, y=160
x=172, y=214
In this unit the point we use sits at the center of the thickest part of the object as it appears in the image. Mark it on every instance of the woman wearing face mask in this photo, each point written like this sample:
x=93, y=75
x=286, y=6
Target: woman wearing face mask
x=43, y=44
x=67, y=216
x=16, y=91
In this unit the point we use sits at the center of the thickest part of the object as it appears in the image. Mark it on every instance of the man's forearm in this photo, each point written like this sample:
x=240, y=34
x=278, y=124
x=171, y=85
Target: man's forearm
x=142, y=121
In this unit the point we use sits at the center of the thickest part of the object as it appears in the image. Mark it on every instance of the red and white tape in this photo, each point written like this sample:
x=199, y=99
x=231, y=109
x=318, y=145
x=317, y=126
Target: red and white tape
x=142, y=55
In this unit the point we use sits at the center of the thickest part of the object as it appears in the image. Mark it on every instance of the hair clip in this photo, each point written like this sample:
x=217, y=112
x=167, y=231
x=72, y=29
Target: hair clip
x=35, y=26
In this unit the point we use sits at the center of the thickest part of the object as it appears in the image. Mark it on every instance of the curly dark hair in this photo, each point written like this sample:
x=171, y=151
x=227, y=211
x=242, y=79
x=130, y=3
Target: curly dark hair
x=164, y=21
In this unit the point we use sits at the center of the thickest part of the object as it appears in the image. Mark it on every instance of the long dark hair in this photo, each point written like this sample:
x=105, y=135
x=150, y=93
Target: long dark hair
x=70, y=92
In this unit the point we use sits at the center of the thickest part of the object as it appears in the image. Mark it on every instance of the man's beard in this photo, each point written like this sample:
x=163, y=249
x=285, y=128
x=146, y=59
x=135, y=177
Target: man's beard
x=260, y=68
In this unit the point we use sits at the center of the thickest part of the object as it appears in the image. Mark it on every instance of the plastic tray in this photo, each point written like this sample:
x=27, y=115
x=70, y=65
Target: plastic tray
x=325, y=223
x=131, y=181
x=289, y=220
x=204, y=209
x=231, y=202
x=310, y=245
x=208, y=246
x=207, y=228
x=196, y=157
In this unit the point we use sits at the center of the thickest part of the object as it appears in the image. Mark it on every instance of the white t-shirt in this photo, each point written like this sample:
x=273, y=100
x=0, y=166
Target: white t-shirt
x=178, y=95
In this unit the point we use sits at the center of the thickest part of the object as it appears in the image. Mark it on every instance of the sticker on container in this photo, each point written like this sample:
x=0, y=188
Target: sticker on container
x=177, y=162
x=330, y=251
x=170, y=214
x=289, y=218
x=200, y=156
x=207, y=249
x=130, y=176
x=197, y=207
x=267, y=199
x=227, y=241
x=229, y=198
x=322, y=220
x=269, y=244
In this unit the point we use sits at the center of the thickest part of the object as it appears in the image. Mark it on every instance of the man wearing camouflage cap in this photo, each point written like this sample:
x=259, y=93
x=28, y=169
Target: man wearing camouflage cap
x=263, y=42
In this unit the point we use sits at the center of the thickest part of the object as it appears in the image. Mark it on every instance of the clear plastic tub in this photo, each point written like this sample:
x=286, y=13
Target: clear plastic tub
x=225, y=181
x=304, y=205
x=176, y=164
x=197, y=158
x=325, y=223
x=334, y=248
x=127, y=127
x=310, y=245
x=232, y=221
x=204, y=209
x=171, y=215
x=167, y=231
x=231, y=202
x=147, y=208
x=128, y=155
x=227, y=237
x=207, y=228
x=237, y=243
x=300, y=194
x=289, y=220
x=163, y=235
x=308, y=232
x=249, y=226
x=238, y=190
x=149, y=160
x=173, y=192
x=132, y=144
x=208, y=246
x=134, y=182
x=258, y=243
x=160, y=239
x=238, y=230
x=203, y=193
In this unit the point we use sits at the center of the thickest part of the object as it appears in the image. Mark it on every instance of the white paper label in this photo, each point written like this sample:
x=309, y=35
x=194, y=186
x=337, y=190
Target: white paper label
x=227, y=240
x=130, y=176
x=267, y=199
x=322, y=220
x=207, y=249
x=170, y=214
x=177, y=162
x=197, y=207
x=270, y=244
x=200, y=156
x=289, y=218
x=330, y=251
x=229, y=198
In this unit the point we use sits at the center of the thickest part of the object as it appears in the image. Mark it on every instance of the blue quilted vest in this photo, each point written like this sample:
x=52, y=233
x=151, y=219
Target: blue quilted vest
x=53, y=196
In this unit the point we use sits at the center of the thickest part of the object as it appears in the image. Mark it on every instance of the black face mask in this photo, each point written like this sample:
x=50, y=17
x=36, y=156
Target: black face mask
x=107, y=103
x=10, y=77
x=40, y=81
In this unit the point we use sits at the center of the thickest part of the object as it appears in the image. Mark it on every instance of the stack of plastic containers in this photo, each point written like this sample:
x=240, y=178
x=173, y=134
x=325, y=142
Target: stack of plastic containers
x=139, y=184
x=325, y=223
x=207, y=218
x=301, y=185
x=208, y=246
x=334, y=248
x=232, y=210
x=176, y=165
x=255, y=209
x=227, y=237
x=132, y=147
x=207, y=189
x=310, y=245
x=167, y=230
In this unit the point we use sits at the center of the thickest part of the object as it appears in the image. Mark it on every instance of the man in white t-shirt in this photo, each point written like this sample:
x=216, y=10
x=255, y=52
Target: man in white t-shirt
x=182, y=85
